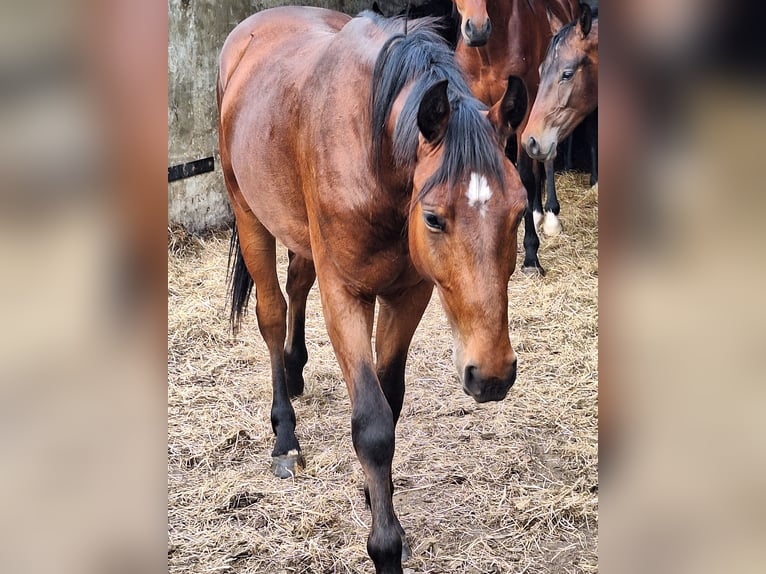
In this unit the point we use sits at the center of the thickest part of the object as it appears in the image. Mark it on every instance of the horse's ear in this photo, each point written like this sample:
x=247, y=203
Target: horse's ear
x=434, y=112
x=586, y=19
x=556, y=23
x=507, y=114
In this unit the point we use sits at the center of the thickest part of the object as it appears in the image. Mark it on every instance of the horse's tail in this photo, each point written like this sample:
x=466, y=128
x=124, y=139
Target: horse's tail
x=240, y=283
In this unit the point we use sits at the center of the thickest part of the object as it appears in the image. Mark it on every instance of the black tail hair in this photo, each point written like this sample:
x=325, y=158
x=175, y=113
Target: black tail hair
x=240, y=283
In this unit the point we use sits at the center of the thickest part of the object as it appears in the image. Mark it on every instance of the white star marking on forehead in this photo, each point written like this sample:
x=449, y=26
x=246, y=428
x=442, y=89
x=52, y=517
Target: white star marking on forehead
x=479, y=192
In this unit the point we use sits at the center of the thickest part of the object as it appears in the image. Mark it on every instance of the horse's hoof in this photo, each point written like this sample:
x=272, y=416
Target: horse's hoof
x=533, y=270
x=287, y=465
x=551, y=224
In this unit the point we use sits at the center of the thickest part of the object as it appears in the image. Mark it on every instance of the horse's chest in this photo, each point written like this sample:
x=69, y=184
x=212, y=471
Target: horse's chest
x=369, y=251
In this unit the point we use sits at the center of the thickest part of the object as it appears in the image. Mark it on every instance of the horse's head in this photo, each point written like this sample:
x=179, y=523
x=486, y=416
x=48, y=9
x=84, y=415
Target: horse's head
x=463, y=224
x=568, y=85
x=475, y=26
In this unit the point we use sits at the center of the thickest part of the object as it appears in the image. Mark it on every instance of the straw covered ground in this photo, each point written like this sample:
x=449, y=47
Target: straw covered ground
x=508, y=487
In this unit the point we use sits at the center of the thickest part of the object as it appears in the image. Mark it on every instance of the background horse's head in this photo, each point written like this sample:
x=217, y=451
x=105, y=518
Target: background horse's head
x=568, y=85
x=475, y=25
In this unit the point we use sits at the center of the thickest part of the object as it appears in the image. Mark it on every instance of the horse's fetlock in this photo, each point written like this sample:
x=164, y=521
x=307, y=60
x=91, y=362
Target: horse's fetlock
x=385, y=549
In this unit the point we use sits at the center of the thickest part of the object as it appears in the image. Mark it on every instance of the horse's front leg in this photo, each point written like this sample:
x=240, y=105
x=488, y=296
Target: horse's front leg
x=532, y=216
x=592, y=136
x=399, y=316
x=349, y=324
x=551, y=223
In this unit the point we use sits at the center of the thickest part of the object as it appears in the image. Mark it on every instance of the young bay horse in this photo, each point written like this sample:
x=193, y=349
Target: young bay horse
x=362, y=150
x=568, y=90
x=501, y=38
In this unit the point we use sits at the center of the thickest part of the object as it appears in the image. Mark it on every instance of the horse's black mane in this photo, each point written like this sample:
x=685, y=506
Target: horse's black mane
x=424, y=58
x=449, y=18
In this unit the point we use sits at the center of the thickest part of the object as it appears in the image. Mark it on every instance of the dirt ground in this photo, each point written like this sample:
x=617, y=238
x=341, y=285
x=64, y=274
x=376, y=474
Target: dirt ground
x=508, y=487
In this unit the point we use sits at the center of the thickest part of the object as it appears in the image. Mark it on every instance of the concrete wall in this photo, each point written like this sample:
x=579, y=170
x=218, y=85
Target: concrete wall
x=196, y=32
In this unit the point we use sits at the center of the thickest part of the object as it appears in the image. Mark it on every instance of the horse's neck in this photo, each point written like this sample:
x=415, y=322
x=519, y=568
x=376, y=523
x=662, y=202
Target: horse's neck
x=487, y=67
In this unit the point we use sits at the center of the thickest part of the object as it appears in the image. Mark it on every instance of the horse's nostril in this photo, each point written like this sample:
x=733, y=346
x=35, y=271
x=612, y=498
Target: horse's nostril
x=468, y=25
x=532, y=145
x=470, y=375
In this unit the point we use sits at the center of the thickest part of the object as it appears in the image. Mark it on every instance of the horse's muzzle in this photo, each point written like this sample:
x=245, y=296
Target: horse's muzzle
x=539, y=150
x=487, y=389
x=475, y=36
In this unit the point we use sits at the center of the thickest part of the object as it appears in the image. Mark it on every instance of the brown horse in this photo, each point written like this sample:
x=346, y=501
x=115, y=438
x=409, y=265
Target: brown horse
x=568, y=86
x=502, y=38
x=568, y=94
x=362, y=150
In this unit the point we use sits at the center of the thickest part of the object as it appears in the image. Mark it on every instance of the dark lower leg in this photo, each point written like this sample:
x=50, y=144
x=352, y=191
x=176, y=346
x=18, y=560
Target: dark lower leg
x=399, y=316
x=593, y=145
x=372, y=433
x=551, y=224
x=531, y=240
x=300, y=278
x=551, y=201
x=259, y=253
x=569, y=146
x=286, y=455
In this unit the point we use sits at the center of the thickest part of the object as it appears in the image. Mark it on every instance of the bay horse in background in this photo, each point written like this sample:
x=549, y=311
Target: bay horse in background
x=502, y=38
x=362, y=150
x=568, y=92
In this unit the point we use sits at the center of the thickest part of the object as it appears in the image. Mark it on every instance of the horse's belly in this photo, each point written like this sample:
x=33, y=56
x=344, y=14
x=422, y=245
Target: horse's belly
x=275, y=198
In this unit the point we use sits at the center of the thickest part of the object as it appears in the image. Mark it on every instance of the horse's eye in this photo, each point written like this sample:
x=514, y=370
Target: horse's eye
x=567, y=75
x=434, y=222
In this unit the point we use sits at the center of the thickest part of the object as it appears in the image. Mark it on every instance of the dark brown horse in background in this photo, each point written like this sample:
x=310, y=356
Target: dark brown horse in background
x=568, y=90
x=502, y=38
x=363, y=151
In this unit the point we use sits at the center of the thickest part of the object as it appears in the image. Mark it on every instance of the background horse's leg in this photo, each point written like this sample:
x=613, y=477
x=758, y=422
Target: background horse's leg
x=349, y=324
x=551, y=224
x=569, y=147
x=531, y=240
x=398, y=318
x=592, y=133
x=258, y=249
x=300, y=278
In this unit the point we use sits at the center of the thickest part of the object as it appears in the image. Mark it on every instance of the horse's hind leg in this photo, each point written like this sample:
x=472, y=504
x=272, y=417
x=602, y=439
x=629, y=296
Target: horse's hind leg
x=551, y=224
x=300, y=278
x=258, y=249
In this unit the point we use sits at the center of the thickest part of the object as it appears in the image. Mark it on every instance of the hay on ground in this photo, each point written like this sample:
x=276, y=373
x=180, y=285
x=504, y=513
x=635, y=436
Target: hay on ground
x=499, y=487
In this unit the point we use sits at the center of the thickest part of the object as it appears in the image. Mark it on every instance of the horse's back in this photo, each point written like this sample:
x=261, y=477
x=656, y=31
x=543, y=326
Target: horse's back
x=262, y=65
x=263, y=32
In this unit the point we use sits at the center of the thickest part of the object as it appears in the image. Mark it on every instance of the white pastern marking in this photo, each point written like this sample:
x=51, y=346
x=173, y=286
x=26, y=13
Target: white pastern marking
x=537, y=216
x=551, y=225
x=479, y=192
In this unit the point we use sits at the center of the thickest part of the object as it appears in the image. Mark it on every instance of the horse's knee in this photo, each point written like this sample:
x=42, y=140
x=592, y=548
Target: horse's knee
x=372, y=433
